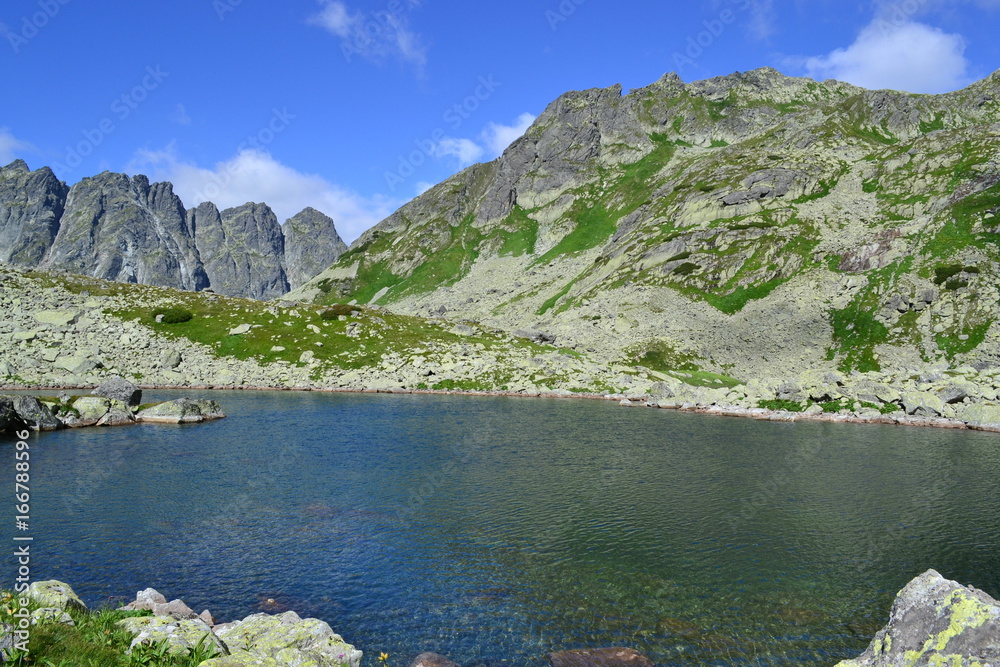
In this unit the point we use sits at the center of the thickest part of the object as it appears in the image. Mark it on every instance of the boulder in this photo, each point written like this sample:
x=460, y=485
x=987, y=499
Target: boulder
x=57, y=318
x=535, y=335
x=240, y=330
x=171, y=359
x=35, y=414
x=599, y=657
x=180, y=635
x=982, y=417
x=9, y=420
x=935, y=621
x=78, y=365
x=145, y=599
x=958, y=391
x=119, y=389
x=90, y=408
x=922, y=404
x=119, y=414
x=181, y=411
x=55, y=595
x=286, y=639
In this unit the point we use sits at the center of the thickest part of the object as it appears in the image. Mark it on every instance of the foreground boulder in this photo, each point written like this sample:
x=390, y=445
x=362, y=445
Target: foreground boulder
x=599, y=657
x=54, y=594
x=181, y=636
x=262, y=640
x=35, y=414
x=935, y=621
x=9, y=420
x=120, y=389
x=181, y=411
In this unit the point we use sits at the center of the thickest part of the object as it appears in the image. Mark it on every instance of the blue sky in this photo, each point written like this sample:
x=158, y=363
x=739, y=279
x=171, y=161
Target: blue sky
x=356, y=106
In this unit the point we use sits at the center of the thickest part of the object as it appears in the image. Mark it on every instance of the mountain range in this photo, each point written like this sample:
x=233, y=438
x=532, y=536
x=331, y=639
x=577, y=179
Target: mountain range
x=122, y=228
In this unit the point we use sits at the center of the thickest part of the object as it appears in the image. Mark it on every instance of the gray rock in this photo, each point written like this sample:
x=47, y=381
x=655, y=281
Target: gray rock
x=922, y=404
x=145, y=600
x=90, y=410
x=181, y=411
x=535, y=335
x=51, y=615
x=982, y=417
x=171, y=359
x=9, y=419
x=119, y=389
x=311, y=245
x=242, y=249
x=124, y=229
x=935, y=621
x=31, y=205
x=35, y=414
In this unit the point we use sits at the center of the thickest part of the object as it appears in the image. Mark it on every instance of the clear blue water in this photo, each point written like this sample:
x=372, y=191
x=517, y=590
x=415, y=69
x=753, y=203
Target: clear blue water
x=495, y=530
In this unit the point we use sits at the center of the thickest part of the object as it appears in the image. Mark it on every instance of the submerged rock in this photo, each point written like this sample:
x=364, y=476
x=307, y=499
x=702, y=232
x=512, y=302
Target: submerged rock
x=432, y=660
x=599, y=657
x=935, y=621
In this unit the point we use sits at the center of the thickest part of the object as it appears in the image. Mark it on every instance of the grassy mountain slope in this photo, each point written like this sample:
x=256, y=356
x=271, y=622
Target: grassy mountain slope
x=754, y=225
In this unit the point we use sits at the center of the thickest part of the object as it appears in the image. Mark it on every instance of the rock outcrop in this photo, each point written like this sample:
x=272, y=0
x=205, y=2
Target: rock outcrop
x=119, y=228
x=311, y=245
x=243, y=250
x=935, y=621
x=31, y=205
x=122, y=228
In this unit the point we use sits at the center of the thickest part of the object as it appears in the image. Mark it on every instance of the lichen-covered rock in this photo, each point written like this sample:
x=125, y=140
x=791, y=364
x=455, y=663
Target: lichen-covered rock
x=982, y=417
x=55, y=594
x=286, y=639
x=922, y=404
x=181, y=635
x=35, y=414
x=119, y=389
x=90, y=408
x=181, y=411
x=936, y=622
x=51, y=615
x=119, y=414
x=57, y=318
x=145, y=600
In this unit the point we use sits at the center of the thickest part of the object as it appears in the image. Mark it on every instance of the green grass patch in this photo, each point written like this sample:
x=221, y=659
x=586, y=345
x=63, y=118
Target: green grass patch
x=522, y=238
x=175, y=315
x=934, y=125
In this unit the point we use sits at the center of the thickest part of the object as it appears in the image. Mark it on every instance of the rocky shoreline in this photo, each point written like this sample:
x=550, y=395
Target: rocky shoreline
x=758, y=414
x=933, y=621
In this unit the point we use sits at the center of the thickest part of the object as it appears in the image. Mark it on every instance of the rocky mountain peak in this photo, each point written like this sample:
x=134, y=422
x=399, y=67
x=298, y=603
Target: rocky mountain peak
x=311, y=245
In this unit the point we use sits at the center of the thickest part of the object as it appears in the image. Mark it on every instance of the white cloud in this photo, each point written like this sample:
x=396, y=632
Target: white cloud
x=909, y=56
x=498, y=137
x=12, y=148
x=466, y=151
x=181, y=116
x=255, y=176
x=374, y=35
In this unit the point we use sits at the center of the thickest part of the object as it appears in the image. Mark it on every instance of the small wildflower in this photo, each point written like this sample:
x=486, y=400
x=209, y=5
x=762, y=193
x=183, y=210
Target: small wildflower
x=382, y=657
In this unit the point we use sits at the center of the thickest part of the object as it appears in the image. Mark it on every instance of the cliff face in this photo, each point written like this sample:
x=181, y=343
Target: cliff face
x=243, y=250
x=753, y=224
x=311, y=245
x=31, y=204
x=125, y=229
